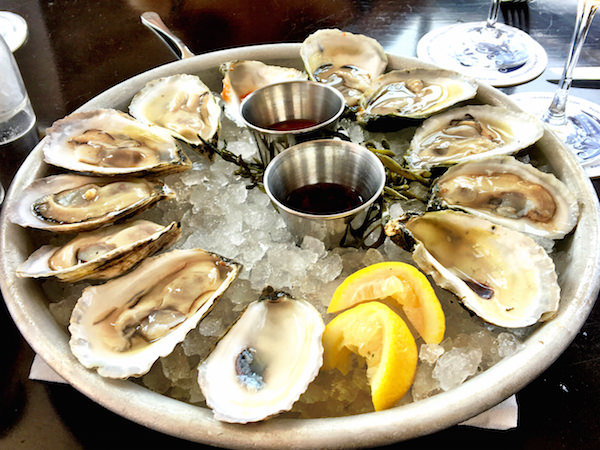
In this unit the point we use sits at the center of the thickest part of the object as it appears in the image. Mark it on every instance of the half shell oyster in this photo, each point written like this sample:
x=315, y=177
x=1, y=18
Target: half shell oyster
x=510, y=193
x=241, y=78
x=72, y=203
x=123, y=326
x=182, y=104
x=413, y=94
x=500, y=274
x=108, y=142
x=101, y=254
x=265, y=361
x=471, y=132
x=349, y=62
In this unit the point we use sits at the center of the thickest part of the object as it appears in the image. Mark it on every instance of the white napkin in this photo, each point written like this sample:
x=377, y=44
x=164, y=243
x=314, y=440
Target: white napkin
x=43, y=372
x=503, y=416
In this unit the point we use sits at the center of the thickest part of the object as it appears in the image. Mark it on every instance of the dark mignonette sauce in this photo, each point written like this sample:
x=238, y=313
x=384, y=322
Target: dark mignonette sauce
x=292, y=125
x=323, y=198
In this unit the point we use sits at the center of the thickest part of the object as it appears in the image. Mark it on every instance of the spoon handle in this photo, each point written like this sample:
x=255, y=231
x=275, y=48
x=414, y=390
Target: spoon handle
x=153, y=21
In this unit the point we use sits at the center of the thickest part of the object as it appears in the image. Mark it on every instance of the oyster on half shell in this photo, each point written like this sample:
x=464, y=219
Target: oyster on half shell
x=241, y=78
x=181, y=104
x=510, y=193
x=349, y=62
x=500, y=274
x=413, y=94
x=100, y=254
x=471, y=132
x=107, y=142
x=265, y=361
x=123, y=326
x=72, y=203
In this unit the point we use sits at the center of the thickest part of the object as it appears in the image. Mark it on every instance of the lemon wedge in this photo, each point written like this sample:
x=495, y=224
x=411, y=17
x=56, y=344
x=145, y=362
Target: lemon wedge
x=375, y=332
x=406, y=285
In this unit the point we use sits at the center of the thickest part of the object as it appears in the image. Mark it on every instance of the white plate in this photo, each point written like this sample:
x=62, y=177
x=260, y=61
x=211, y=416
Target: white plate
x=579, y=279
x=437, y=47
x=536, y=103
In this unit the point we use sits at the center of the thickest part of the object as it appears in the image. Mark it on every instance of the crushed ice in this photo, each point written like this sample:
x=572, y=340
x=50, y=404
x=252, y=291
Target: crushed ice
x=220, y=214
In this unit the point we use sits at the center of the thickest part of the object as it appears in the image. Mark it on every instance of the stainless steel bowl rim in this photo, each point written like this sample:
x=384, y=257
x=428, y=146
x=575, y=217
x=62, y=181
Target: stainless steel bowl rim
x=28, y=307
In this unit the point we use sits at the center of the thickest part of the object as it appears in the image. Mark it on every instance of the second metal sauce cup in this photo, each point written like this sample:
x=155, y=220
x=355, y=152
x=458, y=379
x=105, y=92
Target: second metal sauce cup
x=322, y=163
x=283, y=114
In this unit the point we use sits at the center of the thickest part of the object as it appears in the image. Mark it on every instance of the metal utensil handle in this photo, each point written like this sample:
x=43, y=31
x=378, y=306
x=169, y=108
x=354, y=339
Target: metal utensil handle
x=153, y=21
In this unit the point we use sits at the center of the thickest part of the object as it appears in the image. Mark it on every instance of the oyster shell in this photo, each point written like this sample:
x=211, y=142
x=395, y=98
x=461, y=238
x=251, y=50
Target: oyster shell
x=123, y=326
x=346, y=61
x=471, y=132
x=72, y=203
x=241, y=78
x=500, y=274
x=413, y=94
x=510, y=193
x=182, y=104
x=108, y=142
x=265, y=361
x=101, y=254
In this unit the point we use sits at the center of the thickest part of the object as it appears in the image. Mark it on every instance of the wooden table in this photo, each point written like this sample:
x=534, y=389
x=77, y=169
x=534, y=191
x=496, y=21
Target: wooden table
x=78, y=49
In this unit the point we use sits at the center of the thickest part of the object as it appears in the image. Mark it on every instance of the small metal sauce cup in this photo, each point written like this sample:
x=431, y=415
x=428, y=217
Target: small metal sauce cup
x=324, y=161
x=290, y=101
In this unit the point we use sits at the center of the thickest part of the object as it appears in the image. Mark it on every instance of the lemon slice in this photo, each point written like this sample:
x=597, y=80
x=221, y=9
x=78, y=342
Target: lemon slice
x=406, y=285
x=375, y=332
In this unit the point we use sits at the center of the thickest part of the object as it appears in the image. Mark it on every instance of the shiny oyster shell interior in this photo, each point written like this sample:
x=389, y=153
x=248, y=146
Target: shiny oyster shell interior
x=265, y=361
x=241, y=78
x=471, y=132
x=414, y=94
x=500, y=274
x=346, y=61
x=100, y=254
x=182, y=104
x=108, y=142
x=124, y=325
x=510, y=193
x=72, y=203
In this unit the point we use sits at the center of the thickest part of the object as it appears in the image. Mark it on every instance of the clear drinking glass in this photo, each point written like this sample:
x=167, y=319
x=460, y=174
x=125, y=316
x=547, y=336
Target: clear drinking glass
x=576, y=121
x=16, y=114
x=490, y=45
x=496, y=53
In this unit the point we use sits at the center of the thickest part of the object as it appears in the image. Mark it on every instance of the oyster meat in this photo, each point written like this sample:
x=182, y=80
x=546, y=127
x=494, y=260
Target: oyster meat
x=413, y=94
x=241, y=78
x=471, y=132
x=349, y=62
x=265, y=361
x=182, y=104
x=510, y=193
x=123, y=326
x=72, y=203
x=100, y=254
x=500, y=274
x=108, y=142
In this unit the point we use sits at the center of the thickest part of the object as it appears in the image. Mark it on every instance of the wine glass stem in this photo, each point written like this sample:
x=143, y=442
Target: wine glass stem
x=555, y=115
x=493, y=14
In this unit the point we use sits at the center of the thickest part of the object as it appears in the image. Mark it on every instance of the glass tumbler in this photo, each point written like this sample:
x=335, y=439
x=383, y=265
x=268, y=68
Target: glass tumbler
x=16, y=114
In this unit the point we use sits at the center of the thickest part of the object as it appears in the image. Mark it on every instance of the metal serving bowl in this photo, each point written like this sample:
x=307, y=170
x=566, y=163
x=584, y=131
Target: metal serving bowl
x=579, y=278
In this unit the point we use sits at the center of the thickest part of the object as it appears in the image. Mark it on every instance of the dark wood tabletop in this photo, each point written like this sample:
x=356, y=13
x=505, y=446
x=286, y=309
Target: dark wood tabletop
x=78, y=49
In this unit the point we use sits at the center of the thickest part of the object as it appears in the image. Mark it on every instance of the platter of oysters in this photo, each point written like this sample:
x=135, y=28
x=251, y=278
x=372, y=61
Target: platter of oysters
x=143, y=261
